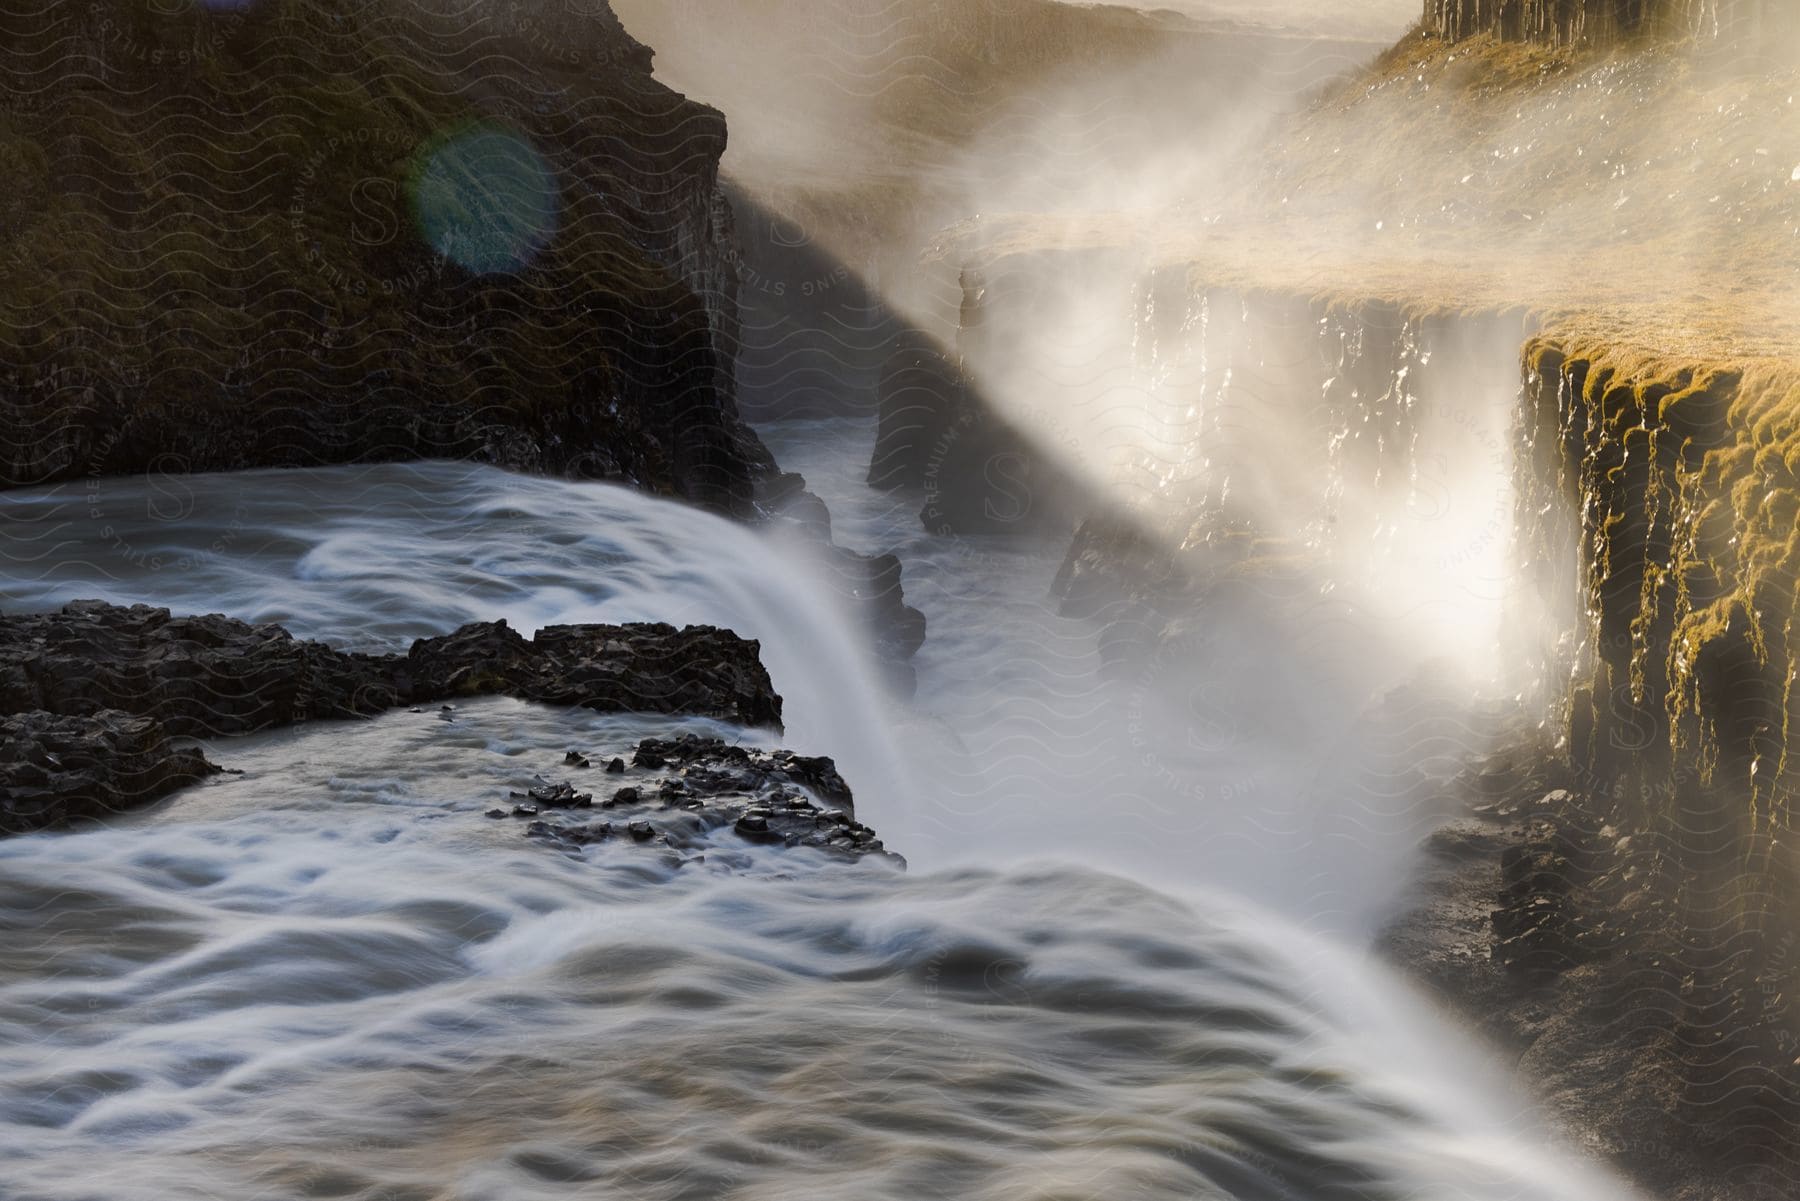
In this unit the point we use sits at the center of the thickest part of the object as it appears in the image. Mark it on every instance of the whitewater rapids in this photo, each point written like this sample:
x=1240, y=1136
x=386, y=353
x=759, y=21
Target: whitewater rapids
x=330, y=976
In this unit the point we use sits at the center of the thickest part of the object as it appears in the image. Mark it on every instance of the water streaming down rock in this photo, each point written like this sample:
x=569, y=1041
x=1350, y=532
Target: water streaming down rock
x=371, y=558
x=1364, y=443
x=1608, y=22
x=1238, y=743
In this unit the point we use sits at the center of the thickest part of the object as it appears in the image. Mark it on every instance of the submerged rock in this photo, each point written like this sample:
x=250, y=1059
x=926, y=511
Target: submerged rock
x=91, y=694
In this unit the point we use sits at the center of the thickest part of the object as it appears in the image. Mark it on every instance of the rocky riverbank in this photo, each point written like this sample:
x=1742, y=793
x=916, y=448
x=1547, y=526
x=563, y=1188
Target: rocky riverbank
x=94, y=698
x=1555, y=936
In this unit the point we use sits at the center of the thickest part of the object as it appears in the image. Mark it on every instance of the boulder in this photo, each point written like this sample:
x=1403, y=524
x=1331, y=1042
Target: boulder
x=56, y=769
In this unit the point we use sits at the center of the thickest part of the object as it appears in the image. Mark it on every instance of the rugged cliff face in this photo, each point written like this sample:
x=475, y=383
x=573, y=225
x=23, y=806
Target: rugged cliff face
x=941, y=439
x=1674, y=485
x=309, y=231
x=1606, y=21
x=1638, y=551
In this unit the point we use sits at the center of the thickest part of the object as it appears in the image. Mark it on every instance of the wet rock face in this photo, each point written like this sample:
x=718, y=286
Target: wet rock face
x=55, y=769
x=1112, y=561
x=869, y=585
x=1563, y=939
x=103, y=687
x=699, y=670
x=872, y=584
x=703, y=799
x=195, y=676
x=711, y=765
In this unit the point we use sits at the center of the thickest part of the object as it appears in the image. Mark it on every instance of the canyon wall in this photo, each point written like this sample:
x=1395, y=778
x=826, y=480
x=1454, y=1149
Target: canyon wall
x=1676, y=484
x=313, y=231
x=1613, y=539
x=1607, y=21
x=1630, y=521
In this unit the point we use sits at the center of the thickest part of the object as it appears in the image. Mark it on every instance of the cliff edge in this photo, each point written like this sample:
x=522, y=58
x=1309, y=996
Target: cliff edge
x=315, y=231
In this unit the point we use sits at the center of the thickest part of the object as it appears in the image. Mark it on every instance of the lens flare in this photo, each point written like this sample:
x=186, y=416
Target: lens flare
x=484, y=198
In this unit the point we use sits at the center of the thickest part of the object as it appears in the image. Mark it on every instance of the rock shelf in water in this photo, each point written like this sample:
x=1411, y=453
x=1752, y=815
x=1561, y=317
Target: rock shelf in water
x=93, y=697
x=694, y=796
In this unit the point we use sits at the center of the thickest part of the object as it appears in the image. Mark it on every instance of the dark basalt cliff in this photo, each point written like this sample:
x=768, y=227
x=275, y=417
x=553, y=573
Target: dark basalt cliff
x=305, y=232
x=91, y=696
x=312, y=231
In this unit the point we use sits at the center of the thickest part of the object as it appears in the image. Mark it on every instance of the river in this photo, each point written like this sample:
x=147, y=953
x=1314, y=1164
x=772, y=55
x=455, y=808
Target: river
x=1124, y=963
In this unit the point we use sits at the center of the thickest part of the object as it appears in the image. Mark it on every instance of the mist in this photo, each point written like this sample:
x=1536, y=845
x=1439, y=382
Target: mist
x=1348, y=490
x=1377, y=20
x=1174, y=146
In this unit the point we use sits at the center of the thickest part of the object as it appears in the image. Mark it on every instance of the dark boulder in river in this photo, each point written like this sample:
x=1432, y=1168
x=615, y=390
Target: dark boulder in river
x=92, y=694
x=709, y=789
x=55, y=769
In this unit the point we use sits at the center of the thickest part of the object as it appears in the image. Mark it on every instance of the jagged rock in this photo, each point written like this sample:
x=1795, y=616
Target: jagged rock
x=713, y=765
x=605, y=351
x=197, y=676
x=59, y=768
x=1112, y=559
x=560, y=796
x=211, y=676
x=870, y=585
x=214, y=676
x=772, y=798
x=637, y=668
x=570, y=836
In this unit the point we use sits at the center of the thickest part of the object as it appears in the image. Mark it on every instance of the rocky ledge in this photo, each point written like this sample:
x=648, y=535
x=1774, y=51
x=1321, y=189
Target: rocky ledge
x=701, y=799
x=366, y=232
x=92, y=696
x=1658, y=1045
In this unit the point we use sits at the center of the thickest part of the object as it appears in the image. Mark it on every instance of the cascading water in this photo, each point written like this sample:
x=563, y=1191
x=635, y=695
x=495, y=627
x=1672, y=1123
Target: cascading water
x=329, y=977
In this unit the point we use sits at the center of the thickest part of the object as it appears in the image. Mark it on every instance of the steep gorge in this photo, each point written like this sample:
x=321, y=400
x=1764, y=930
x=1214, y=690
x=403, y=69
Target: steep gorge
x=1621, y=525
